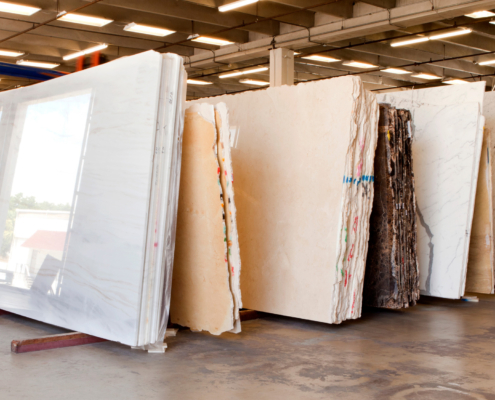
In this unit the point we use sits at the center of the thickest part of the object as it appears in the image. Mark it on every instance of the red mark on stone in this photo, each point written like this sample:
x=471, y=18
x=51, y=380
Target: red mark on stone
x=345, y=282
x=353, y=302
x=354, y=228
x=351, y=254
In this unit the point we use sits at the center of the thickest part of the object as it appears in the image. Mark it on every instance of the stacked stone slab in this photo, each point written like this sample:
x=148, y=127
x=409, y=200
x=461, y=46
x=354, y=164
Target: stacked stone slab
x=392, y=276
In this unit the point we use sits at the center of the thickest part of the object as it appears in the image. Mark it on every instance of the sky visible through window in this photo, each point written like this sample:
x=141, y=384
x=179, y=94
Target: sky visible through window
x=50, y=149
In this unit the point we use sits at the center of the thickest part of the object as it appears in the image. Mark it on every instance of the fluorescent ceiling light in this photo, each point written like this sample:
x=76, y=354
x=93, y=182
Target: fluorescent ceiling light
x=209, y=40
x=147, y=30
x=85, y=20
x=245, y=72
x=426, y=76
x=454, y=82
x=10, y=53
x=398, y=71
x=84, y=52
x=236, y=4
x=487, y=62
x=17, y=9
x=198, y=82
x=450, y=34
x=358, y=64
x=321, y=58
x=39, y=64
x=410, y=41
x=480, y=14
x=254, y=82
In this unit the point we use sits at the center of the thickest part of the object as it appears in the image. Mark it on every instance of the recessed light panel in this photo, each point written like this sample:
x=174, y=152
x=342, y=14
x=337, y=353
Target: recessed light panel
x=10, y=53
x=455, y=82
x=84, y=52
x=12, y=8
x=236, y=4
x=198, y=82
x=487, y=62
x=409, y=41
x=480, y=14
x=450, y=34
x=254, y=82
x=427, y=76
x=398, y=71
x=39, y=64
x=321, y=58
x=85, y=20
x=358, y=64
x=147, y=30
x=245, y=72
x=214, y=41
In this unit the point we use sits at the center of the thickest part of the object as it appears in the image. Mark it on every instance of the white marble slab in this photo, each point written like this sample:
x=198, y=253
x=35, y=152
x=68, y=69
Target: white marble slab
x=87, y=141
x=447, y=129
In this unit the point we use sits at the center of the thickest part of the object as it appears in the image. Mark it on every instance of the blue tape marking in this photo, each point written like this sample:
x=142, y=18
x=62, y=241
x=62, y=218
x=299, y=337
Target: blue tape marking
x=364, y=178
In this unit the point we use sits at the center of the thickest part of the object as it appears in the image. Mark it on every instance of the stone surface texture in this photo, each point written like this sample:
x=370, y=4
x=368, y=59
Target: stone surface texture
x=303, y=233
x=447, y=138
x=392, y=276
x=82, y=191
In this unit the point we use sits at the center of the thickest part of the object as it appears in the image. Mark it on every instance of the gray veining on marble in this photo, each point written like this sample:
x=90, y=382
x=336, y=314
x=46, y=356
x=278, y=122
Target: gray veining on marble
x=77, y=151
x=447, y=128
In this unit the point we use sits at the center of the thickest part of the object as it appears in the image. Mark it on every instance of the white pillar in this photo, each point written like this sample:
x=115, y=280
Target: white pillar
x=281, y=67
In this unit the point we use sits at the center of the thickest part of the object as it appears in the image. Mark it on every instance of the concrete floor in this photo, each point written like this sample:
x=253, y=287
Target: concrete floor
x=439, y=349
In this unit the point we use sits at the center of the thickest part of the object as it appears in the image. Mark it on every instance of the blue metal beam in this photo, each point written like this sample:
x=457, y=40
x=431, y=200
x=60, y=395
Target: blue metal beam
x=21, y=71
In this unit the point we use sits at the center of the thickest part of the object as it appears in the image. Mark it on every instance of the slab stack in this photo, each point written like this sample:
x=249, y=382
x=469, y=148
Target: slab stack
x=447, y=141
x=88, y=198
x=206, y=286
x=392, y=276
x=304, y=189
x=480, y=275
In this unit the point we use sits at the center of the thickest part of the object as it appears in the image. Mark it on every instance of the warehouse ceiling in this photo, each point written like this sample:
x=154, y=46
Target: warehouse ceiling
x=340, y=31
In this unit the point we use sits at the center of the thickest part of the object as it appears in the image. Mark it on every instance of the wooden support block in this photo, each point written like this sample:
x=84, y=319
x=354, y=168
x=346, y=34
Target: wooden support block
x=53, y=342
x=247, y=315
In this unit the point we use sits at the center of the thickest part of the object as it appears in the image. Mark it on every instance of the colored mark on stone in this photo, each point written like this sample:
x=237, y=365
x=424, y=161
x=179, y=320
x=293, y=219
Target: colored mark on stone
x=360, y=167
x=354, y=228
x=357, y=181
x=351, y=253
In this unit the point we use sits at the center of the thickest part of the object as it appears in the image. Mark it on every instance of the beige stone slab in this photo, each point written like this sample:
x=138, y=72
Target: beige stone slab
x=479, y=277
x=201, y=294
x=489, y=114
x=227, y=184
x=294, y=148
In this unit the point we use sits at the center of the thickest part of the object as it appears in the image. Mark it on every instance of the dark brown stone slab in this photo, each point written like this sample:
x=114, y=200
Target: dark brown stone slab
x=391, y=278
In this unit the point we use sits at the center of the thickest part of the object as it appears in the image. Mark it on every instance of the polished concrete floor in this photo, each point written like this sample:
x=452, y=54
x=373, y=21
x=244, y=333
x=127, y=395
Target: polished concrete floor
x=439, y=349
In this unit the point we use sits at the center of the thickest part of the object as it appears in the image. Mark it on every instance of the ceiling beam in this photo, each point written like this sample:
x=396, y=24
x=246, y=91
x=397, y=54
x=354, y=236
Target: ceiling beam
x=387, y=4
x=344, y=30
x=194, y=12
x=269, y=9
x=340, y=8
